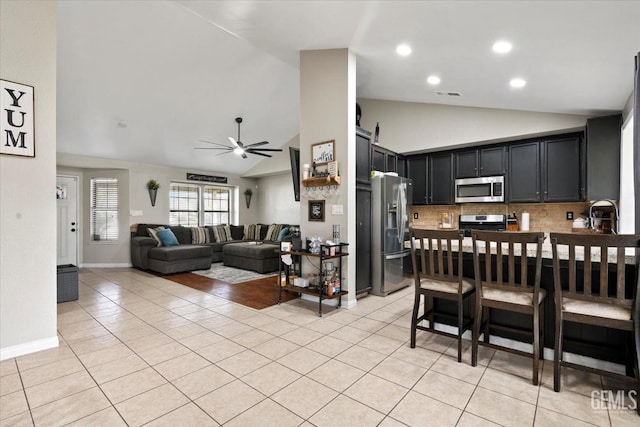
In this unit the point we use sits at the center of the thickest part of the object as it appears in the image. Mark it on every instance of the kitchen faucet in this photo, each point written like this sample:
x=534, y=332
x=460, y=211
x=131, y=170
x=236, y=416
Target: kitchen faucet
x=604, y=202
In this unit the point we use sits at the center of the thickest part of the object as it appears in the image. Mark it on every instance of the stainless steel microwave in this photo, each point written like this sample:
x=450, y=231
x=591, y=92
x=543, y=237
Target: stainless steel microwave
x=486, y=189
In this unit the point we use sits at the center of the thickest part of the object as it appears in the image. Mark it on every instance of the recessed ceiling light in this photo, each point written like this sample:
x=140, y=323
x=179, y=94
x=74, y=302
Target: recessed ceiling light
x=502, y=46
x=403, y=50
x=518, y=83
x=433, y=80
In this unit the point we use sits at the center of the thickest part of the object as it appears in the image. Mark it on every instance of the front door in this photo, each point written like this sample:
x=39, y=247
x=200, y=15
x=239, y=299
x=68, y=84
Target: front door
x=67, y=219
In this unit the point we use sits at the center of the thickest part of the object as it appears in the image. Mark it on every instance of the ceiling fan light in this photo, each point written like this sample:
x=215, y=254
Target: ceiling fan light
x=239, y=151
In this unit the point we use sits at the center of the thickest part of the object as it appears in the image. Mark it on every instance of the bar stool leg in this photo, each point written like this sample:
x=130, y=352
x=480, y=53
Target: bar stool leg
x=475, y=335
x=460, y=321
x=486, y=314
x=557, y=352
x=414, y=318
x=536, y=342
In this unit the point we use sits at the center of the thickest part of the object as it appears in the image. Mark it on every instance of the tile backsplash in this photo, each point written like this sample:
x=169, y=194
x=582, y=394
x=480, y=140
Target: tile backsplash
x=548, y=217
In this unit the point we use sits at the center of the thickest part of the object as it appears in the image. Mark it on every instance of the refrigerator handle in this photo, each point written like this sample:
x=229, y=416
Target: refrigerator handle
x=401, y=215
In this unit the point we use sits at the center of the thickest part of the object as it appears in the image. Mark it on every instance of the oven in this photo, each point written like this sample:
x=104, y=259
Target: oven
x=482, y=222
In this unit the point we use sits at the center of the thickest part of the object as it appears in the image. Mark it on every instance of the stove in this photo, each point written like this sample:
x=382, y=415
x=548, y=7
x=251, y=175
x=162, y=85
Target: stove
x=482, y=222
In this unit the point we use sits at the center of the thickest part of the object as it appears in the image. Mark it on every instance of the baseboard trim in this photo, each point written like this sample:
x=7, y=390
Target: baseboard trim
x=107, y=265
x=29, y=347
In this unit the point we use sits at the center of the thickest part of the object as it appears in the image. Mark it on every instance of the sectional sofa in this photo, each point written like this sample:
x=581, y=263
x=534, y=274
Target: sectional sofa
x=254, y=247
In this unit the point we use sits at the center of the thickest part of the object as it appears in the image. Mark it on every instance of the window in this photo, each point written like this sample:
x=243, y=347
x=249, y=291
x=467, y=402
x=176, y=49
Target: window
x=104, y=209
x=192, y=205
x=184, y=206
x=216, y=205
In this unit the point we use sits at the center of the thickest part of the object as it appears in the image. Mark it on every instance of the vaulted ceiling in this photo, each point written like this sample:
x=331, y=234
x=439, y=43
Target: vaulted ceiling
x=145, y=80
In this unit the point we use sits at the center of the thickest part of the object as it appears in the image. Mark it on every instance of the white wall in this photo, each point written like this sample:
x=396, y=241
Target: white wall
x=278, y=203
x=27, y=204
x=410, y=127
x=327, y=112
x=132, y=179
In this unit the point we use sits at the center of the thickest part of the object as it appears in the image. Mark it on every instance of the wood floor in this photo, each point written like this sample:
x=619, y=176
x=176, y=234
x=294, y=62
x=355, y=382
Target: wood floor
x=258, y=294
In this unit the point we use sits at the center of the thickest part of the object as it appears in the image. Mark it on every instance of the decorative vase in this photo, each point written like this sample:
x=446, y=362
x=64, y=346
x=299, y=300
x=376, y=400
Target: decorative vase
x=152, y=196
x=247, y=198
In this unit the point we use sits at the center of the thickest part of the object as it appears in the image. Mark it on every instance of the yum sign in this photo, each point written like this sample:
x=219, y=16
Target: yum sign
x=16, y=119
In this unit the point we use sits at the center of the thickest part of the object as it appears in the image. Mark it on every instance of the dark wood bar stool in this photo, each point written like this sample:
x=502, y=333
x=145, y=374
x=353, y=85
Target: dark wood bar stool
x=508, y=287
x=432, y=254
x=611, y=302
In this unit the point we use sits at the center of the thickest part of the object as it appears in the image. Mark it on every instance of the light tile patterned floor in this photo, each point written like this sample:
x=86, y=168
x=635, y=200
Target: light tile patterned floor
x=137, y=349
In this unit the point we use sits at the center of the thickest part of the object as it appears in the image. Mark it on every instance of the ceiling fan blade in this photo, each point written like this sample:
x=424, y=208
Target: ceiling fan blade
x=256, y=144
x=244, y=155
x=233, y=142
x=258, y=153
x=213, y=148
x=214, y=143
x=266, y=149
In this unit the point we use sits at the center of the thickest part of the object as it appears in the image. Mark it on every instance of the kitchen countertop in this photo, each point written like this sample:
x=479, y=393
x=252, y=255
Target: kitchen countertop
x=547, y=251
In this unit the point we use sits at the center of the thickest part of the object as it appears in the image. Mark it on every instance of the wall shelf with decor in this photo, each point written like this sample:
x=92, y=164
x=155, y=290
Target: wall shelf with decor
x=327, y=252
x=321, y=181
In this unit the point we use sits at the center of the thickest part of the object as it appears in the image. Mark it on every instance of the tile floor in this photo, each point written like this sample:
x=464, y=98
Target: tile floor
x=136, y=349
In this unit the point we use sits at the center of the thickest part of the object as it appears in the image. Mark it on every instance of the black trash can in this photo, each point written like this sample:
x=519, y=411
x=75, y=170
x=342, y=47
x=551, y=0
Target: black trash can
x=67, y=283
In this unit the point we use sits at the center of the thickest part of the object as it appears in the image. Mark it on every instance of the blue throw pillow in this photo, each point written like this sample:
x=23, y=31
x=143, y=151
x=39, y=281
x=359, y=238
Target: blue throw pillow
x=282, y=234
x=167, y=237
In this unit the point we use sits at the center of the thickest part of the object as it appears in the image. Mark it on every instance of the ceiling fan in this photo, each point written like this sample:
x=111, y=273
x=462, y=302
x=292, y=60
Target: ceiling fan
x=238, y=147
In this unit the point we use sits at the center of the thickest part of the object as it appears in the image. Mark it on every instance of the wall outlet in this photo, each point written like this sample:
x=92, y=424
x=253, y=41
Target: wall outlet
x=415, y=215
x=569, y=216
x=135, y=213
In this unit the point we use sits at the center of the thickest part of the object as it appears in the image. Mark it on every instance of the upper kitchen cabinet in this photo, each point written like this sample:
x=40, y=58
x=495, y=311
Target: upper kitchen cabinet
x=480, y=162
x=561, y=177
x=363, y=157
x=417, y=168
x=401, y=166
x=384, y=160
x=523, y=179
x=441, y=179
x=545, y=171
x=603, y=157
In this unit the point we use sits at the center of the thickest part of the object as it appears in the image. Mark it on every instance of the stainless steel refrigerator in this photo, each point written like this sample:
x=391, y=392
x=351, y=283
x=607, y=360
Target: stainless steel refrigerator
x=390, y=198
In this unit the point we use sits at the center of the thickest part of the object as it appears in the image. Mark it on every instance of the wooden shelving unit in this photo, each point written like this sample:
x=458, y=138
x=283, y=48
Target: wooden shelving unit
x=321, y=181
x=318, y=291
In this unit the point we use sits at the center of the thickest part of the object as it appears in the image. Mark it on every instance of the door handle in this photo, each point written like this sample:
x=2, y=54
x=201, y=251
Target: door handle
x=73, y=230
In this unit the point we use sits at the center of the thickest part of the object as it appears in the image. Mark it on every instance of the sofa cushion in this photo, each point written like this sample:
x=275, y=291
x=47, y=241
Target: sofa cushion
x=153, y=232
x=252, y=232
x=263, y=231
x=182, y=233
x=273, y=231
x=167, y=237
x=200, y=235
x=179, y=253
x=237, y=231
x=221, y=233
x=282, y=234
x=141, y=229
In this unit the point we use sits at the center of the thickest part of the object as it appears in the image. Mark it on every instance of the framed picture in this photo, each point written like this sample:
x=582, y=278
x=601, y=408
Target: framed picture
x=16, y=119
x=323, y=152
x=316, y=210
x=285, y=246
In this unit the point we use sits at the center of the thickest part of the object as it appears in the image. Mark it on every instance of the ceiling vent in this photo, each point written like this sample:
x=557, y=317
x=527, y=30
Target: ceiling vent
x=449, y=93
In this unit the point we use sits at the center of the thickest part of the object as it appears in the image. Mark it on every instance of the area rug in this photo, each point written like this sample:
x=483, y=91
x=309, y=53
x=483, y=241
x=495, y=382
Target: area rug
x=223, y=273
x=248, y=288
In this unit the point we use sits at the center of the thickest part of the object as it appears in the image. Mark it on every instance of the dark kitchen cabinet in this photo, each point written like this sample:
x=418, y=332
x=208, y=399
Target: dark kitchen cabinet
x=379, y=159
x=384, y=160
x=603, y=157
x=401, y=166
x=441, y=179
x=363, y=157
x=417, y=168
x=363, y=237
x=546, y=171
x=561, y=170
x=523, y=179
x=480, y=162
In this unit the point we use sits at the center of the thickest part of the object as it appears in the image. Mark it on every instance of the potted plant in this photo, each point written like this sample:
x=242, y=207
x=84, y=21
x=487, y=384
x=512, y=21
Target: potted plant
x=152, y=186
x=247, y=196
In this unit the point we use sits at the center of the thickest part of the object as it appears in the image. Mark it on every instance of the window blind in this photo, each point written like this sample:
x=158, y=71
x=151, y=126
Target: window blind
x=216, y=205
x=104, y=209
x=184, y=204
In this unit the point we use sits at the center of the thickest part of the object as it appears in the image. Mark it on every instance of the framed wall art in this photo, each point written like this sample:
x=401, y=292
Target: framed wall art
x=16, y=119
x=316, y=210
x=323, y=152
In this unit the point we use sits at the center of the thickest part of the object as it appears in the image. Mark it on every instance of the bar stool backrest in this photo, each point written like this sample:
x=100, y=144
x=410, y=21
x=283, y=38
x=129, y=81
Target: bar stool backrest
x=437, y=249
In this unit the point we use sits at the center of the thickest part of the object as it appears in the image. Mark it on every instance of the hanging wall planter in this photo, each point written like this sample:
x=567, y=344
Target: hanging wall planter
x=247, y=196
x=152, y=186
